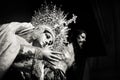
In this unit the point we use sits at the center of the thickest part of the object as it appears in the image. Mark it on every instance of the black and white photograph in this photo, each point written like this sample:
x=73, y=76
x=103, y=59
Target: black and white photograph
x=60, y=40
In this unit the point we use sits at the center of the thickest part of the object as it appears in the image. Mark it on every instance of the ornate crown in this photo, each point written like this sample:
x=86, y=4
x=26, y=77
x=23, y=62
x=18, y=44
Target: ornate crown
x=56, y=19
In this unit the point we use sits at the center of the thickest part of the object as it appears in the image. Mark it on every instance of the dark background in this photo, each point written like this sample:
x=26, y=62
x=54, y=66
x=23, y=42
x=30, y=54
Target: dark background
x=99, y=18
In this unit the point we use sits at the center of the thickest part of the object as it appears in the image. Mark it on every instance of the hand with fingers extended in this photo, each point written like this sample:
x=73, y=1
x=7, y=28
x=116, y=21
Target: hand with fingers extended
x=48, y=54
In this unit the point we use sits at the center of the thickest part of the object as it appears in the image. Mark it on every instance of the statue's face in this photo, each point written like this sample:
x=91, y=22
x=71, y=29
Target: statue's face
x=44, y=38
x=81, y=39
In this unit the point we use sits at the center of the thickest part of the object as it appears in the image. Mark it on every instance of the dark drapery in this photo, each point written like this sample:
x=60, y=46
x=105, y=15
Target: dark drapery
x=107, y=15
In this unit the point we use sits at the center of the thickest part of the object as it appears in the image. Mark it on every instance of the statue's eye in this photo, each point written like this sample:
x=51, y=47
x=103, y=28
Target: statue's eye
x=47, y=36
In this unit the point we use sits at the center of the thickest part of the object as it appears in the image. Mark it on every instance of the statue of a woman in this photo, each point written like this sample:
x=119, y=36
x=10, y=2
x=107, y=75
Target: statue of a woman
x=38, y=50
x=15, y=37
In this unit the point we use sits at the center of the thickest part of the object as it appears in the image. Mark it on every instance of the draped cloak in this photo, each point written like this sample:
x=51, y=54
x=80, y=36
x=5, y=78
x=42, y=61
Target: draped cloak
x=10, y=42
